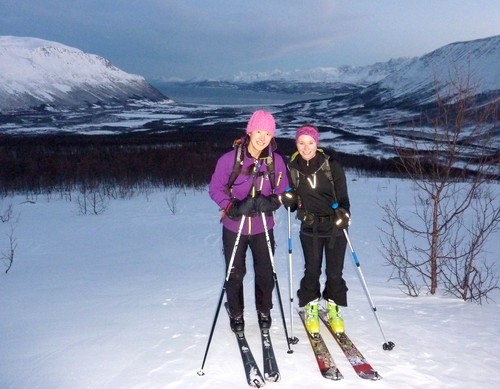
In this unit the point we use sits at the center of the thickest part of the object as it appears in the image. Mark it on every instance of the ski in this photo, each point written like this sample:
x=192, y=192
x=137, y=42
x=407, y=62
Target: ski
x=271, y=371
x=252, y=372
x=325, y=361
x=353, y=355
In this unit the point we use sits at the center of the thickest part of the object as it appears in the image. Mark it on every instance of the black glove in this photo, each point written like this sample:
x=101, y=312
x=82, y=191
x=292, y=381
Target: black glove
x=238, y=208
x=267, y=203
x=342, y=218
x=290, y=199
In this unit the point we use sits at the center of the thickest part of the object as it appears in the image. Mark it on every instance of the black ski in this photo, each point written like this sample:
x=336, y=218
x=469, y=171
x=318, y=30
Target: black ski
x=271, y=371
x=353, y=355
x=252, y=372
x=325, y=361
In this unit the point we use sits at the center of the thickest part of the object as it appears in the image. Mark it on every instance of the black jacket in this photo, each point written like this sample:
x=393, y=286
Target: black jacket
x=315, y=190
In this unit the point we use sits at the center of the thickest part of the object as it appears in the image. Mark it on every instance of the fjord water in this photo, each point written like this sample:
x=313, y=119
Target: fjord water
x=226, y=95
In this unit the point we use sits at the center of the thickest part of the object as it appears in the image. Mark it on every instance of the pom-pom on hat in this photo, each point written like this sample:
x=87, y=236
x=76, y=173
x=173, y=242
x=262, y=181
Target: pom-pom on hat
x=310, y=130
x=263, y=121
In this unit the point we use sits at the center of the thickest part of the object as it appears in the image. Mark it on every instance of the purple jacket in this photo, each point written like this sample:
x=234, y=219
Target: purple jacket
x=242, y=187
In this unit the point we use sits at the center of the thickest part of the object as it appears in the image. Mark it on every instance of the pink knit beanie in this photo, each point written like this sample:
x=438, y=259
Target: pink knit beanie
x=261, y=120
x=308, y=129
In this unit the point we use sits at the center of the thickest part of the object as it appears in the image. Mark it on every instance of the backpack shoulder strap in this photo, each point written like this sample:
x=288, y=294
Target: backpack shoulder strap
x=238, y=162
x=294, y=173
x=328, y=172
x=326, y=166
x=270, y=172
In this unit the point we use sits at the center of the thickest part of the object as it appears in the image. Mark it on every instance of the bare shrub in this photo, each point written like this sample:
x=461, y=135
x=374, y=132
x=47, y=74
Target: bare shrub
x=91, y=202
x=7, y=254
x=441, y=241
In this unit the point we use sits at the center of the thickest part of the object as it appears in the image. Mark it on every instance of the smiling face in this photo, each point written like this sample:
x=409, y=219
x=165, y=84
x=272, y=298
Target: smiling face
x=306, y=146
x=259, y=140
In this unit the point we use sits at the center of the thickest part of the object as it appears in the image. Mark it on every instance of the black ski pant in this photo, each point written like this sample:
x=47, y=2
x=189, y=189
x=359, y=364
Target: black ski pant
x=334, y=247
x=264, y=278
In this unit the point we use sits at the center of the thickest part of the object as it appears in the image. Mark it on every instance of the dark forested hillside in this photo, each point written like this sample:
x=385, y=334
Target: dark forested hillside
x=157, y=157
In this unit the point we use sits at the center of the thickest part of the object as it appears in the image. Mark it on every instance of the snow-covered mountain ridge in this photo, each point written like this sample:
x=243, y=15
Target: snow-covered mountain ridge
x=361, y=75
x=351, y=115
x=477, y=61
x=404, y=82
x=472, y=65
x=35, y=72
x=323, y=81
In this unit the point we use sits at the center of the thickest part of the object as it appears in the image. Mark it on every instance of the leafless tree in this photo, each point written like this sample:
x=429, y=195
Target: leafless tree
x=451, y=163
x=92, y=201
x=171, y=199
x=6, y=214
x=7, y=255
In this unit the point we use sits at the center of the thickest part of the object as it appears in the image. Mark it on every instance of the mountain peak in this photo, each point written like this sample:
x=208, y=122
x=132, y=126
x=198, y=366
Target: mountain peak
x=35, y=72
x=473, y=65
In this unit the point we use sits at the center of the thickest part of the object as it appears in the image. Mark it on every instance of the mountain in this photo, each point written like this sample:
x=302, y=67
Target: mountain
x=35, y=72
x=321, y=81
x=351, y=105
x=360, y=75
x=472, y=65
x=403, y=82
x=412, y=82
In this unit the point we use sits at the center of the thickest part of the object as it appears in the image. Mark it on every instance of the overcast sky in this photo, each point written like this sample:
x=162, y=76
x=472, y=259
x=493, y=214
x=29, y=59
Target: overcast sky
x=220, y=38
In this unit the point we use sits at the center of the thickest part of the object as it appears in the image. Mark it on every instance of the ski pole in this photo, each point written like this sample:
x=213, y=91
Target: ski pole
x=228, y=273
x=293, y=339
x=387, y=345
x=271, y=256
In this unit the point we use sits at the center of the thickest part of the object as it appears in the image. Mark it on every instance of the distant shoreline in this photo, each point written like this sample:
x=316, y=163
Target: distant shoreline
x=189, y=94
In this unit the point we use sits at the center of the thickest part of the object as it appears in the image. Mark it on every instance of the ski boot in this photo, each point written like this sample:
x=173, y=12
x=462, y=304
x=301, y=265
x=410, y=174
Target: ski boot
x=237, y=323
x=264, y=320
x=334, y=317
x=311, y=316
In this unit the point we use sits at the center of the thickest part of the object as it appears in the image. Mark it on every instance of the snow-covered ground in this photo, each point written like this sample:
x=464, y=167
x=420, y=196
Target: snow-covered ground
x=126, y=299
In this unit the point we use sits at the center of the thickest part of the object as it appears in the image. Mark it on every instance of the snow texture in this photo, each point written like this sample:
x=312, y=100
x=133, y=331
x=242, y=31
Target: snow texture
x=126, y=299
x=35, y=71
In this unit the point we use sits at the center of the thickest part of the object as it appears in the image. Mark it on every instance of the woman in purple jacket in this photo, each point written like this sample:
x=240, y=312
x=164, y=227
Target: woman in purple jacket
x=251, y=191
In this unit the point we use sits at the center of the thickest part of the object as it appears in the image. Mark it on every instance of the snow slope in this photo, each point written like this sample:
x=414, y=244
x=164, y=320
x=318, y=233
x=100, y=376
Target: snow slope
x=36, y=71
x=472, y=64
x=126, y=299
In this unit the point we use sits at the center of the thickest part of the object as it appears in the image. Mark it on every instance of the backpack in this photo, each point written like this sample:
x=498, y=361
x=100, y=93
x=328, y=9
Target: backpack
x=239, y=148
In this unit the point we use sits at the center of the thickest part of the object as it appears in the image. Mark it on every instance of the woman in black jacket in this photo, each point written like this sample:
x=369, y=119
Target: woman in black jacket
x=319, y=193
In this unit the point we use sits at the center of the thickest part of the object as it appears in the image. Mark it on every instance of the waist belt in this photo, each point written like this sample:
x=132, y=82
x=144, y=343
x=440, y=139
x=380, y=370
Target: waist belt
x=323, y=219
x=311, y=218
